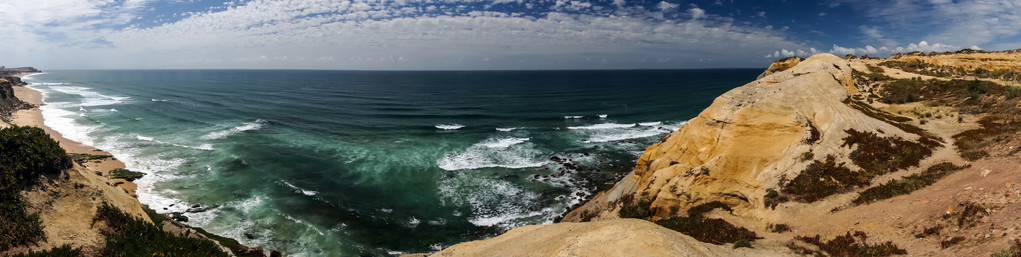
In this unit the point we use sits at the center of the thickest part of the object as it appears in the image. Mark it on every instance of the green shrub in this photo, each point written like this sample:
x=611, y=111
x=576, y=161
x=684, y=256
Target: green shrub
x=976, y=88
x=907, y=184
x=880, y=155
x=84, y=157
x=63, y=251
x=709, y=230
x=25, y=154
x=743, y=243
x=778, y=228
x=853, y=245
x=633, y=209
x=822, y=179
x=131, y=236
x=125, y=174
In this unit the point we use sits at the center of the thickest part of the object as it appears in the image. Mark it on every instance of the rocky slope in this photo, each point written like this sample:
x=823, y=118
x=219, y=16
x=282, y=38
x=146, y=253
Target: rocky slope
x=822, y=156
x=8, y=102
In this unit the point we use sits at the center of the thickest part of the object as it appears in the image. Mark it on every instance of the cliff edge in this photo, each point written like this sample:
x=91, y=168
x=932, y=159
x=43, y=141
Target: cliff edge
x=821, y=156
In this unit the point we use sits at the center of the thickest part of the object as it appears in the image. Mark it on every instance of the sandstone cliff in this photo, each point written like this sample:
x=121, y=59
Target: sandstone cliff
x=750, y=140
x=889, y=160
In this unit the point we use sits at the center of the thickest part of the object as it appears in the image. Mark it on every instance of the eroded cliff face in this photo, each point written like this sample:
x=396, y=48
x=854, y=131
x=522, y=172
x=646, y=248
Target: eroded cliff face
x=752, y=139
x=8, y=102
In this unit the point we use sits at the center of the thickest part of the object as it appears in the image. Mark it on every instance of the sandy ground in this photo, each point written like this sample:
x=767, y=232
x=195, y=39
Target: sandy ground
x=34, y=117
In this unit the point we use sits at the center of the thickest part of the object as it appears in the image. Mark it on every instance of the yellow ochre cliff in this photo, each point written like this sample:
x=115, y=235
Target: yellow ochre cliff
x=821, y=156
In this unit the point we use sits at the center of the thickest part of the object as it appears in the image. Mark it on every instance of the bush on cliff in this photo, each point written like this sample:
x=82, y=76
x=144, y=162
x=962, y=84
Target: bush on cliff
x=132, y=236
x=25, y=154
x=709, y=230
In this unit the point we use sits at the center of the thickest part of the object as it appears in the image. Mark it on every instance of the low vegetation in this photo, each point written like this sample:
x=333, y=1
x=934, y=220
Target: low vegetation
x=125, y=174
x=635, y=210
x=82, y=158
x=992, y=129
x=63, y=251
x=907, y=184
x=880, y=155
x=25, y=154
x=131, y=236
x=850, y=244
x=709, y=230
x=819, y=180
x=1013, y=251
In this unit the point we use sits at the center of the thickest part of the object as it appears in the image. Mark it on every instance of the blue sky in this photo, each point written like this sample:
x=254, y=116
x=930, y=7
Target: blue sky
x=485, y=34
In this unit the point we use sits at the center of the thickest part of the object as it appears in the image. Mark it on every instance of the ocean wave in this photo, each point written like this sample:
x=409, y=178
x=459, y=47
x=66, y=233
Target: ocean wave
x=89, y=97
x=508, y=153
x=650, y=124
x=454, y=126
x=505, y=129
x=504, y=142
x=623, y=135
x=603, y=116
x=299, y=190
x=494, y=203
x=573, y=117
x=604, y=126
x=158, y=100
x=255, y=125
x=145, y=138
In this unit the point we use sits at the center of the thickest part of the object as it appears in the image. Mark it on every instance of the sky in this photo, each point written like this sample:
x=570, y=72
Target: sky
x=485, y=34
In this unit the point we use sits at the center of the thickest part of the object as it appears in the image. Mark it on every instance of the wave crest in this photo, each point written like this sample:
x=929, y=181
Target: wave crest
x=255, y=125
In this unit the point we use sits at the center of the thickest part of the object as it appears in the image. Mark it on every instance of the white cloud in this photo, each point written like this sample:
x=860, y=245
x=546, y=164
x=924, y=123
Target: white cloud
x=973, y=22
x=696, y=13
x=664, y=6
x=922, y=46
x=370, y=34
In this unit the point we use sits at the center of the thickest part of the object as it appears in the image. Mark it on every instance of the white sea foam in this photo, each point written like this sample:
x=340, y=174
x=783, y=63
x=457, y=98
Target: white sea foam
x=603, y=116
x=158, y=100
x=573, y=117
x=113, y=110
x=505, y=129
x=504, y=142
x=454, y=126
x=254, y=125
x=89, y=97
x=300, y=190
x=493, y=202
x=414, y=222
x=145, y=138
x=205, y=147
x=623, y=135
x=650, y=124
x=48, y=83
x=604, y=126
x=501, y=152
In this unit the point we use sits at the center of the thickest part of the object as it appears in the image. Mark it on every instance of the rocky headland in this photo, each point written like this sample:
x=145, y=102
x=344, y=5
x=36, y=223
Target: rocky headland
x=827, y=156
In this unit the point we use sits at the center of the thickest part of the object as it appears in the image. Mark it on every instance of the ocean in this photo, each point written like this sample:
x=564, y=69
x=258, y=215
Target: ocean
x=374, y=163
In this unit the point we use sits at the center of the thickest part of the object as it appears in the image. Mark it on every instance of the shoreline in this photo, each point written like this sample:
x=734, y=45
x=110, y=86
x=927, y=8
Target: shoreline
x=34, y=117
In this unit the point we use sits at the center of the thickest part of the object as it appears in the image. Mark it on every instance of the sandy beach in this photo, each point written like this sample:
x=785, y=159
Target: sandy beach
x=34, y=117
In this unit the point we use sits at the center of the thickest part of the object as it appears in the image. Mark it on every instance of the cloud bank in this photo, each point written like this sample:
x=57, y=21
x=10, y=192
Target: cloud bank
x=363, y=34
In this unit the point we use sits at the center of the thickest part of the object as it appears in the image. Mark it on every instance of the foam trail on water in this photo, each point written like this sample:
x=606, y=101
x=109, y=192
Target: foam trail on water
x=255, y=125
x=573, y=117
x=505, y=129
x=509, y=153
x=454, y=126
x=604, y=126
x=299, y=190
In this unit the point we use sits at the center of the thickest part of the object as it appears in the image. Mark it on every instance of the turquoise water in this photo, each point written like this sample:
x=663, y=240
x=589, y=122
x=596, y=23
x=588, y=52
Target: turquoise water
x=342, y=163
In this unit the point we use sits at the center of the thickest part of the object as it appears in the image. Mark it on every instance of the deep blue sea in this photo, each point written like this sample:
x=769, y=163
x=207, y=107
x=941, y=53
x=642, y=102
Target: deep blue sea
x=346, y=163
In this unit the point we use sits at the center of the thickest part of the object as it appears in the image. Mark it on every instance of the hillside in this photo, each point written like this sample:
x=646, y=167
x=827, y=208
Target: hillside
x=910, y=155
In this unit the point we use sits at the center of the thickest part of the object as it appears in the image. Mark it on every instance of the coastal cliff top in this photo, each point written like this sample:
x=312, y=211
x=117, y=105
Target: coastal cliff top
x=830, y=156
